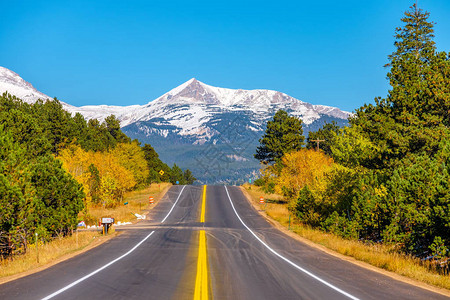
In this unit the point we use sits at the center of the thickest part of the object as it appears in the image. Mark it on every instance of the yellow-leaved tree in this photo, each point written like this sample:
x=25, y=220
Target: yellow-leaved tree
x=109, y=166
x=131, y=157
x=105, y=176
x=302, y=168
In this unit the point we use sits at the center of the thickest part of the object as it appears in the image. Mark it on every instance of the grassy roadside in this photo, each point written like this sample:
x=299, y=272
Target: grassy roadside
x=380, y=256
x=49, y=254
x=65, y=248
x=138, y=202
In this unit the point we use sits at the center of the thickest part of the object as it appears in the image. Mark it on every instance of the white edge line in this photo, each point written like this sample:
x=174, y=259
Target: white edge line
x=111, y=262
x=287, y=260
x=173, y=206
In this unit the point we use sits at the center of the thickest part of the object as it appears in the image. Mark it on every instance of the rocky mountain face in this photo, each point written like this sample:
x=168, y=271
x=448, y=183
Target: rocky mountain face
x=212, y=131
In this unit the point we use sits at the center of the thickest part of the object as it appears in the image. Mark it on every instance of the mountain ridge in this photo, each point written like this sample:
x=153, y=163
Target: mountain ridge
x=193, y=120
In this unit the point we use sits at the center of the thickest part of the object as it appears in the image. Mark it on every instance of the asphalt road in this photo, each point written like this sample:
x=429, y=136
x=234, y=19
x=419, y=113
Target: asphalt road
x=244, y=258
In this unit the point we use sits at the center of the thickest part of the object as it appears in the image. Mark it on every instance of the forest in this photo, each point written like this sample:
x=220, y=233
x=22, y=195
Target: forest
x=384, y=178
x=54, y=166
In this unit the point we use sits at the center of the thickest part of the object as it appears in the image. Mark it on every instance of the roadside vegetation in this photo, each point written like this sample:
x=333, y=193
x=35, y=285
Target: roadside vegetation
x=55, y=168
x=384, y=179
x=136, y=202
x=49, y=252
x=376, y=254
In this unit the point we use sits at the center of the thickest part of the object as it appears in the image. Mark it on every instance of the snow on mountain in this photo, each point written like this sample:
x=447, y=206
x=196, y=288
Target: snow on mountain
x=14, y=84
x=187, y=109
x=190, y=106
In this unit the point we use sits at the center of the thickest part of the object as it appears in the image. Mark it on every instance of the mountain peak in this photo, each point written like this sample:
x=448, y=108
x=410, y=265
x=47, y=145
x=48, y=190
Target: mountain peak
x=12, y=83
x=192, y=91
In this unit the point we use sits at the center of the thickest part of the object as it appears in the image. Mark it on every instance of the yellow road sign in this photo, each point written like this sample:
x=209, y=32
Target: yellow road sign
x=161, y=172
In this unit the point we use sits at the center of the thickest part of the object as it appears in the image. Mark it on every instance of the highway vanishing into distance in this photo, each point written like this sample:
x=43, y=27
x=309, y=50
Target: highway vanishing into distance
x=207, y=243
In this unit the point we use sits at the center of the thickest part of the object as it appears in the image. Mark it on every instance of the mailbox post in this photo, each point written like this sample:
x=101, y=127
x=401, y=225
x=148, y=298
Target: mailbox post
x=107, y=223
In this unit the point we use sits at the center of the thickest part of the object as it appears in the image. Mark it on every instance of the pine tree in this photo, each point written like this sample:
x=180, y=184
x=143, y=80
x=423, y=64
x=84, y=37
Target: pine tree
x=415, y=115
x=176, y=174
x=113, y=126
x=188, y=177
x=283, y=134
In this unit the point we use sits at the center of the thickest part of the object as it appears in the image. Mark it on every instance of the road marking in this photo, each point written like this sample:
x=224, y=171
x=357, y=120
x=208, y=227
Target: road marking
x=201, y=281
x=202, y=215
x=287, y=260
x=112, y=262
x=173, y=206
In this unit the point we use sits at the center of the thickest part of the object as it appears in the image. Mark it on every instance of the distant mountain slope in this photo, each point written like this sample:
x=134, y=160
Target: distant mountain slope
x=199, y=126
x=14, y=84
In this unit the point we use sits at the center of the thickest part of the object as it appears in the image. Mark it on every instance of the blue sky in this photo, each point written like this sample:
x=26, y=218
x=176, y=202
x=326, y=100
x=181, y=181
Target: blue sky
x=131, y=52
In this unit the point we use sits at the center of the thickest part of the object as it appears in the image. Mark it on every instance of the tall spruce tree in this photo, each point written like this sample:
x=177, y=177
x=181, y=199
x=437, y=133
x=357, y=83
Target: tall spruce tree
x=283, y=134
x=415, y=115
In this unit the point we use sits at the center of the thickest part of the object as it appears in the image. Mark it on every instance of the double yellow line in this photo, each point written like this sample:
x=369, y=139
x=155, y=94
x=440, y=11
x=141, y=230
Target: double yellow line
x=201, y=281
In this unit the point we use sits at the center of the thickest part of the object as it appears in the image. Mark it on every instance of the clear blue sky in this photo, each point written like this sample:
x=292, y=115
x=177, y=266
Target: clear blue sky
x=131, y=52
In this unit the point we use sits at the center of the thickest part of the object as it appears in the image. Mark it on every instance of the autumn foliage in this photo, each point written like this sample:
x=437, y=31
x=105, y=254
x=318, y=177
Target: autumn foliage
x=303, y=168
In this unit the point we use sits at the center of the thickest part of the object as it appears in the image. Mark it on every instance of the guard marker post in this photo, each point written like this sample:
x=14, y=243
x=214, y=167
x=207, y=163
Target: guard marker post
x=37, y=250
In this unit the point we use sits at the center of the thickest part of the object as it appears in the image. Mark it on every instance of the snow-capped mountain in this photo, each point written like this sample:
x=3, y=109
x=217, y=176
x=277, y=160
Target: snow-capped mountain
x=188, y=109
x=14, y=84
x=195, y=122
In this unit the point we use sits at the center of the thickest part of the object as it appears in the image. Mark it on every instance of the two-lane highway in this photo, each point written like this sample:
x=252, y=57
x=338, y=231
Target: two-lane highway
x=207, y=243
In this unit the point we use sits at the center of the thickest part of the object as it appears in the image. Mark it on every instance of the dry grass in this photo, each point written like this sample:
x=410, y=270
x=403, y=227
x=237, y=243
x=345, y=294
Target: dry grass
x=138, y=202
x=48, y=253
x=380, y=256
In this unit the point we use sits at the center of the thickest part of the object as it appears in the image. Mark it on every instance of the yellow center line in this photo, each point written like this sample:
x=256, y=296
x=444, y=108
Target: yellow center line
x=201, y=281
x=202, y=215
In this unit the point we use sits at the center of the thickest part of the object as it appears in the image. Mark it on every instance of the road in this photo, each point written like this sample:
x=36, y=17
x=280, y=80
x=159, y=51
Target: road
x=207, y=243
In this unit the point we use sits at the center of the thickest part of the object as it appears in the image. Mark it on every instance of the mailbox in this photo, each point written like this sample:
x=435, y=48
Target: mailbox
x=107, y=223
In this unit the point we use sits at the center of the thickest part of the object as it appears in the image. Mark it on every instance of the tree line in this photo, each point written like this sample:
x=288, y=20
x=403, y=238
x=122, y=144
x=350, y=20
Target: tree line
x=385, y=177
x=54, y=165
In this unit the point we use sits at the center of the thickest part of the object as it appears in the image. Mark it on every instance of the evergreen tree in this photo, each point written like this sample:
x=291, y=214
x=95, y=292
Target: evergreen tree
x=283, y=134
x=59, y=196
x=113, y=126
x=176, y=174
x=17, y=200
x=155, y=165
x=414, y=116
x=188, y=177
